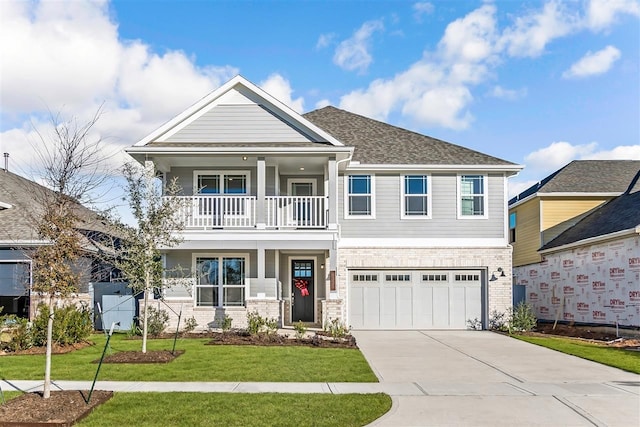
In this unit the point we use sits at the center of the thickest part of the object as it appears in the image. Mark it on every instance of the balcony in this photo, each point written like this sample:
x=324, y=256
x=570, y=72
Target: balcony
x=204, y=212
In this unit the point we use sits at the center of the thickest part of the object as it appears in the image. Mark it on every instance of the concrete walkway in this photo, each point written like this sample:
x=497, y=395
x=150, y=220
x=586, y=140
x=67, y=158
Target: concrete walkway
x=461, y=378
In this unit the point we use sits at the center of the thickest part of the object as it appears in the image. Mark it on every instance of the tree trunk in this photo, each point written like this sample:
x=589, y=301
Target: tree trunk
x=46, y=393
x=145, y=313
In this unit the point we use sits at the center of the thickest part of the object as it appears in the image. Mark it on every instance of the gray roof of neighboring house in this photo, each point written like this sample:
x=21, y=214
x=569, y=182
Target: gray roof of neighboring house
x=380, y=143
x=618, y=214
x=19, y=222
x=586, y=176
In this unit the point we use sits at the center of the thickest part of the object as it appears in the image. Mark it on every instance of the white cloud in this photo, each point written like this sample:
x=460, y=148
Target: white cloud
x=508, y=94
x=593, y=63
x=422, y=8
x=325, y=40
x=280, y=88
x=76, y=62
x=516, y=187
x=601, y=14
x=322, y=103
x=557, y=154
x=435, y=90
x=531, y=33
x=353, y=54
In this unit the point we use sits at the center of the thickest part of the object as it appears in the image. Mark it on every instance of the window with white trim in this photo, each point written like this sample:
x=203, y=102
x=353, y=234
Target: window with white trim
x=415, y=202
x=228, y=182
x=233, y=185
x=220, y=281
x=473, y=194
x=359, y=196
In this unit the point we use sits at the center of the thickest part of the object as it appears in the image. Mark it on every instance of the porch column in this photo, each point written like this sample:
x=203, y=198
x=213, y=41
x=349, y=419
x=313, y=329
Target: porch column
x=261, y=194
x=261, y=269
x=333, y=269
x=333, y=194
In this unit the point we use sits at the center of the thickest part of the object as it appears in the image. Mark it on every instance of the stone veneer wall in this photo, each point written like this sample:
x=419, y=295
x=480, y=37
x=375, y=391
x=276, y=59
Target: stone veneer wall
x=211, y=318
x=499, y=291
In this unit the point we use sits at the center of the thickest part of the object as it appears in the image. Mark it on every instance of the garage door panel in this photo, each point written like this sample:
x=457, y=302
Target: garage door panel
x=440, y=307
x=404, y=307
x=388, y=307
x=371, y=307
x=458, y=304
x=423, y=307
x=357, y=304
x=474, y=302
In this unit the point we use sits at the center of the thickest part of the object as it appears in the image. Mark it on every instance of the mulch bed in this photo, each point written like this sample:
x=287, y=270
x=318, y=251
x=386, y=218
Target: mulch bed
x=156, y=356
x=55, y=349
x=63, y=408
x=238, y=338
x=593, y=334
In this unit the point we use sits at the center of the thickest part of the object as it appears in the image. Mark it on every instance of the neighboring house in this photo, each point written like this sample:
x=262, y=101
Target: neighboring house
x=590, y=273
x=20, y=207
x=543, y=211
x=329, y=216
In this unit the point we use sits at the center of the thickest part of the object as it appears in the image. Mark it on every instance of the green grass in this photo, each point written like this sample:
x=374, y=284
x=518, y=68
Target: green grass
x=611, y=356
x=231, y=409
x=199, y=363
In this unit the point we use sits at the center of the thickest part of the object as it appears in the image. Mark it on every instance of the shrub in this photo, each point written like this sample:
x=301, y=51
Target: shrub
x=523, y=318
x=157, y=322
x=498, y=321
x=336, y=328
x=225, y=324
x=300, y=329
x=255, y=322
x=271, y=326
x=71, y=324
x=190, y=324
x=475, y=324
x=15, y=333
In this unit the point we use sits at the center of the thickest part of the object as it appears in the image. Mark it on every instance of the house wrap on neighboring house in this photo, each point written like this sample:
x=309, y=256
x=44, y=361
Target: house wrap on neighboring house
x=329, y=215
x=590, y=273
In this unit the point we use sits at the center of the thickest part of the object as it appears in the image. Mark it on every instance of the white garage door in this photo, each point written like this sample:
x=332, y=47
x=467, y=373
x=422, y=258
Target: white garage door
x=416, y=299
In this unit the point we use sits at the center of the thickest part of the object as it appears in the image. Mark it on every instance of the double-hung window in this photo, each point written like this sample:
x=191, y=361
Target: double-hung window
x=415, y=202
x=230, y=189
x=220, y=281
x=472, y=192
x=359, y=197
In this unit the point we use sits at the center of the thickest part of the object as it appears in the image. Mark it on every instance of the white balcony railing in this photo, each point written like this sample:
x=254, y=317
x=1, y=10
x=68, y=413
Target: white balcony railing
x=213, y=211
x=295, y=211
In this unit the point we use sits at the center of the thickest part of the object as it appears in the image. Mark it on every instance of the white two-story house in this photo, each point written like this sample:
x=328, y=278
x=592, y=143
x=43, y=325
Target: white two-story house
x=329, y=215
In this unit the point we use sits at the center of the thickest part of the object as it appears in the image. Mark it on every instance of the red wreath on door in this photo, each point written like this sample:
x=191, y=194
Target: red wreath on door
x=302, y=285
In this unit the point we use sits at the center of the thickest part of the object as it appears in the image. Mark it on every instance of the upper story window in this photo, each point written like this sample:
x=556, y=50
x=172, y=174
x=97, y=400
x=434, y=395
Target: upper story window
x=472, y=192
x=359, y=197
x=213, y=182
x=415, y=198
x=512, y=227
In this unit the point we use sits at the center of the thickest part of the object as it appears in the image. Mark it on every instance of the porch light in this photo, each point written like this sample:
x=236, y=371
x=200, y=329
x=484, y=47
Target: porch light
x=321, y=266
x=301, y=168
x=493, y=275
x=244, y=157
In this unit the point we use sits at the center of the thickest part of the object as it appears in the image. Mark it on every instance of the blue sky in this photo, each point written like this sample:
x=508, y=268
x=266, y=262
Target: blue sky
x=538, y=83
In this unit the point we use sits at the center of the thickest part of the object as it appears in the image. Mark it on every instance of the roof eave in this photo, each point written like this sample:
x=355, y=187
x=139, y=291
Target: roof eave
x=592, y=240
x=511, y=169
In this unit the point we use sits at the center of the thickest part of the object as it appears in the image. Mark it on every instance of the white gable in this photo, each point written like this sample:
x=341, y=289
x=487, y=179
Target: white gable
x=239, y=112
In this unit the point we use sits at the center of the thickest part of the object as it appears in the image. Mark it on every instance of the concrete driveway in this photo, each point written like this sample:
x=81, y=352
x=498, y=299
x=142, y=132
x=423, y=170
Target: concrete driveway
x=479, y=378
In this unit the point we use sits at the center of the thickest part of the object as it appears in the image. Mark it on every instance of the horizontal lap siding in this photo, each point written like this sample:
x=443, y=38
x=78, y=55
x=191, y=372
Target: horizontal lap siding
x=443, y=222
x=247, y=123
x=527, y=233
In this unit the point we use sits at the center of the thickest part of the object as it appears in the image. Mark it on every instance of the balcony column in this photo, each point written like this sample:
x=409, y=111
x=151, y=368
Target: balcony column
x=261, y=195
x=332, y=173
x=260, y=275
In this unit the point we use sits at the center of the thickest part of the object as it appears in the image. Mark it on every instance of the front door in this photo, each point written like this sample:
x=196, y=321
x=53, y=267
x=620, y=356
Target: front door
x=302, y=295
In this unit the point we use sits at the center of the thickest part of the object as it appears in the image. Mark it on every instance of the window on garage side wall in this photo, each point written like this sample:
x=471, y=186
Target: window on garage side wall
x=360, y=200
x=473, y=194
x=415, y=201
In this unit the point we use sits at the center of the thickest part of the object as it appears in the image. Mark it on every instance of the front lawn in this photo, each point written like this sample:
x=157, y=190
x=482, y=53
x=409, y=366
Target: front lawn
x=611, y=356
x=200, y=362
x=231, y=409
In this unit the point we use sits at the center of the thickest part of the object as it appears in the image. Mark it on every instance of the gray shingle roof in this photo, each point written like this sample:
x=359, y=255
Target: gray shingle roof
x=586, y=176
x=380, y=143
x=618, y=214
x=25, y=198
